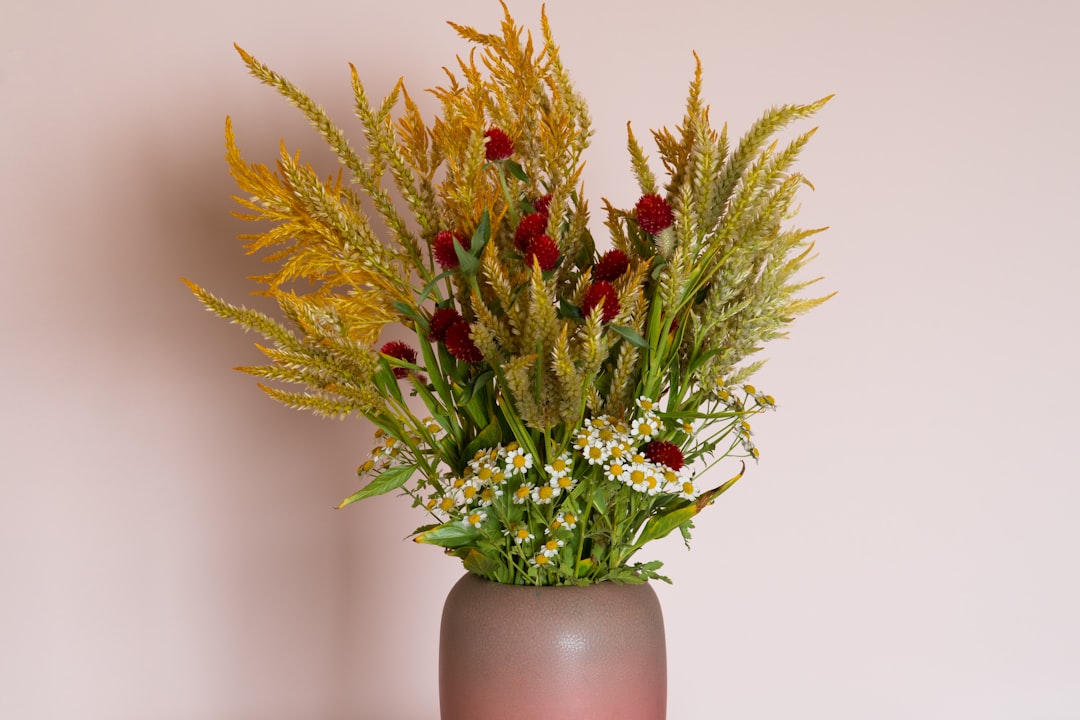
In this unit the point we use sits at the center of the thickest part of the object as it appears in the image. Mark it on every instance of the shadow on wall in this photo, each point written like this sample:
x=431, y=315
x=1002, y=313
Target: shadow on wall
x=258, y=567
x=350, y=591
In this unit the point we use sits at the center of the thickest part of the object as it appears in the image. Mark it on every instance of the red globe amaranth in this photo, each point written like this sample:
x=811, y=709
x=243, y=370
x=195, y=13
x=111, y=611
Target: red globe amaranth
x=531, y=226
x=601, y=292
x=541, y=204
x=544, y=251
x=443, y=245
x=460, y=343
x=665, y=453
x=611, y=266
x=401, y=351
x=499, y=145
x=441, y=321
x=653, y=214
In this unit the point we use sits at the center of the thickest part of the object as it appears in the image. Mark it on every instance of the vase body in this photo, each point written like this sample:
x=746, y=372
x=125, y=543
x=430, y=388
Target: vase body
x=511, y=652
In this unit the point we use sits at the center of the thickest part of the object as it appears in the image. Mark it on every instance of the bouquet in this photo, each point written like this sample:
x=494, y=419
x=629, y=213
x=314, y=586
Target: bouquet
x=549, y=404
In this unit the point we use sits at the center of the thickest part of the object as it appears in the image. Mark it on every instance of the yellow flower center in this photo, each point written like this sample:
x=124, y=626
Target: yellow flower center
x=519, y=461
x=546, y=492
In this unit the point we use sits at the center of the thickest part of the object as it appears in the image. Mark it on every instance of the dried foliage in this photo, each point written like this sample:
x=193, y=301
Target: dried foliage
x=566, y=411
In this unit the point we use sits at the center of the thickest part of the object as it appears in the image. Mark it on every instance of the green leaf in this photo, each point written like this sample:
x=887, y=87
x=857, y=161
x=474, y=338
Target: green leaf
x=488, y=437
x=479, y=564
x=479, y=382
x=516, y=170
x=390, y=479
x=659, y=526
x=410, y=313
x=450, y=535
x=569, y=310
x=468, y=262
x=483, y=231
x=630, y=335
x=386, y=382
x=431, y=286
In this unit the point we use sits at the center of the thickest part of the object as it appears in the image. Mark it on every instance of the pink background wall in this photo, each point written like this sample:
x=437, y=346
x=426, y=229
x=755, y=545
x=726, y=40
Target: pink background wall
x=907, y=547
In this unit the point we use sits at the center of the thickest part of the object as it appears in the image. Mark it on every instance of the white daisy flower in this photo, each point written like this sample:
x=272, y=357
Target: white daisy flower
x=617, y=471
x=689, y=490
x=567, y=520
x=563, y=483
x=522, y=493
x=646, y=404
x=469, y=493
x=476, y=518
x=544, y=494
x=559, y=467
x=519, y=533
x=551, y=547
x=597, y=452
x=540, y=560
x=646, y=427
x=490, y=494
x=518, y=462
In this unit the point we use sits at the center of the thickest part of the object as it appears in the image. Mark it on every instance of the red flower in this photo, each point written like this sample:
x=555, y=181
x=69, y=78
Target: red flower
x=460, y=344
x=441, y=321
x=401, y=351
x=541, y=204
x=531, y=226
x=499, y=145
x=444, y=248
x=544, y=250
x=611, y=266
x=665, y=453
x=653, y=214
x=601, y=292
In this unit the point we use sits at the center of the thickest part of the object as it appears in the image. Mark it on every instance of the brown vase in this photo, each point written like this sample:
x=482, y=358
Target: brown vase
x=511, y=652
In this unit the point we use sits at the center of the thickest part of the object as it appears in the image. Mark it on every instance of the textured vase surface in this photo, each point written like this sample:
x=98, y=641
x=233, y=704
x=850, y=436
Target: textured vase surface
x=510, y=652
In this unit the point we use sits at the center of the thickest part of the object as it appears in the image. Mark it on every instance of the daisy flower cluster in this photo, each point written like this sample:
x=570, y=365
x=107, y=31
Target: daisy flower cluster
x=533, y=509
x=632, y=454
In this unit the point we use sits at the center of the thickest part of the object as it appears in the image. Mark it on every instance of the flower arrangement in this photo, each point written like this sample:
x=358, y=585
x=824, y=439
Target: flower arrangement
x=556, y=405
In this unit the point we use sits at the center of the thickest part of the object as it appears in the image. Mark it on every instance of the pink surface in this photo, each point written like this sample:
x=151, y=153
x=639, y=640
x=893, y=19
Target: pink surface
x=906, y=548
x=576, y=653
